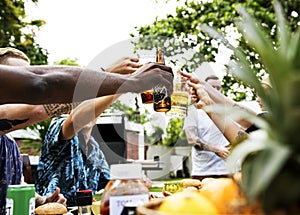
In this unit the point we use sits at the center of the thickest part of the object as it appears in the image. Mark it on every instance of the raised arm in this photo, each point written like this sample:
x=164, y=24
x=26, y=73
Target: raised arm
x=17, y=116
x=226, y=125
x=86, y=112
x=89, y=110
x=217, y=97
x=65, y=84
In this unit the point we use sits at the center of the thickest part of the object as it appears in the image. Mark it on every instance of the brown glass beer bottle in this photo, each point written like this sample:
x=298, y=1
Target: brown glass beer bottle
x=161, y=98
x=147, y=96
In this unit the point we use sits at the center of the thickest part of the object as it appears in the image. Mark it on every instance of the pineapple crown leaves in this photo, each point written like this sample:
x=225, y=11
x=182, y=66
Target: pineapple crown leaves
x=281, y=63
x=237, y=113
x=269, y=158
x=265, y=153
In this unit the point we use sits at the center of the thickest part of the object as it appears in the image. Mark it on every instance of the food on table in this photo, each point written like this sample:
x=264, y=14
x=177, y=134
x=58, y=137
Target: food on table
x=226, y=195
x=187, y=202
x=51, y=208
x=189, y=182
x=96, y=207
x=178, y=186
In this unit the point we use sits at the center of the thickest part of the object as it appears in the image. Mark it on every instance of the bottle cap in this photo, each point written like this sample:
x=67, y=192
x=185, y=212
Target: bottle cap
x=126, y=171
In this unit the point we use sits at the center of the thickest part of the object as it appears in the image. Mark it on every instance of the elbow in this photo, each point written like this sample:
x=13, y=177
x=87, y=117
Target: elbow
x=40, y=113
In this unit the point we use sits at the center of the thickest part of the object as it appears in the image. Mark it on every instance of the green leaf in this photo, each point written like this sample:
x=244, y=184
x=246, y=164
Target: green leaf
x=252, y=31
x=240, y=152
x=262, y=159
x=294, y=51
x=283, y=35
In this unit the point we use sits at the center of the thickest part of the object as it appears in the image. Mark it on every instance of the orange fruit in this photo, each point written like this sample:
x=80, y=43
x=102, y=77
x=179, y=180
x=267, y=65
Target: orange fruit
x=223, y=192
x=187, y=202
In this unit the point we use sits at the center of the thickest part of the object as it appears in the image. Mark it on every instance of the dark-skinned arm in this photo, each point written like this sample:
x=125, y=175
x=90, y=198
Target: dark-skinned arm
x=65, y=84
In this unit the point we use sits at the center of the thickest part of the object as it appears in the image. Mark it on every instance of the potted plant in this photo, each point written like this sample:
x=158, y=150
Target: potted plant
x=162, y=144
x=271, y=156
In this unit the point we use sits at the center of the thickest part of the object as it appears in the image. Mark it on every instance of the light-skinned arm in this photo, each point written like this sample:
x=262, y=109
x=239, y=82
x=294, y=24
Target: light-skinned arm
x=218, y=98
x=194, y=140
x=226, y=125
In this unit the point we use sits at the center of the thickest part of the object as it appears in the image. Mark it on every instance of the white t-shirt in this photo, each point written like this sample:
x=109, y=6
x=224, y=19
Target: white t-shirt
x=205, y=162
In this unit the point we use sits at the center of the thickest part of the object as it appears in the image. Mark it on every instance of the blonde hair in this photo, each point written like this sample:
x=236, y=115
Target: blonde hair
x=12, y=52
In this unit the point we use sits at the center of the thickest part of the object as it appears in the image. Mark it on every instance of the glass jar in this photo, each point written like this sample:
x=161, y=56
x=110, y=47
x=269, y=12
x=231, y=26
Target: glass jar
x=84, y=201
x=125, y=190
x=179, y=97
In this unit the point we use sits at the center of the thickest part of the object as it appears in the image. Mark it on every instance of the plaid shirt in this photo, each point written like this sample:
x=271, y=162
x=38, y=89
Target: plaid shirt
x=10, y=168
x=65, y=165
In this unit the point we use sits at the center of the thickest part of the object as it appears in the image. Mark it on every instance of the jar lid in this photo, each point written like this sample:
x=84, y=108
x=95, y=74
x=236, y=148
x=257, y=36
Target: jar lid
x=126, y=171
x=84, y=197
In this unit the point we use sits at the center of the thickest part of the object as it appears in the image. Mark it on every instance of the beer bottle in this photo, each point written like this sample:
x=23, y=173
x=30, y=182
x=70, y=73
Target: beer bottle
x=147, y=96
x=161, y=98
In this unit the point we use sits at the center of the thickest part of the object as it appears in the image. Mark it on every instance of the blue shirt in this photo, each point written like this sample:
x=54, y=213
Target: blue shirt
x=70, y=165
x=10, y=167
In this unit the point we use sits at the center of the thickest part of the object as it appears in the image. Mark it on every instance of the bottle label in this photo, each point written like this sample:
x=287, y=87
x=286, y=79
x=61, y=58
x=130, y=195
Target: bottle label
x=9, y=206
x=159, y=93
x=180, y=101
x=117, y=203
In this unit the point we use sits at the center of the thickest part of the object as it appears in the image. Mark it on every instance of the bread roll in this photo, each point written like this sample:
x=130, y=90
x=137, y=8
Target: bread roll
x=188, y=182
x=51, y=208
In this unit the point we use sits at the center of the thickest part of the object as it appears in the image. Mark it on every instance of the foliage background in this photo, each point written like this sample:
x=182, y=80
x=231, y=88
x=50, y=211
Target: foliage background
x=16, y=30
x=186, y=24
x=19, y=32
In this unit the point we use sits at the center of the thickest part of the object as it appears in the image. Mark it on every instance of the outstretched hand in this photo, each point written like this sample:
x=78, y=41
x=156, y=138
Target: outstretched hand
x=56, y=197
x=199, y=96
x=125, y=65
x=190, y=77
x=152, y=74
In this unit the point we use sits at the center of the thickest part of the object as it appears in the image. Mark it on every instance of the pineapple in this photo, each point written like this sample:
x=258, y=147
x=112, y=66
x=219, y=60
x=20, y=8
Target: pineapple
x=271, y=156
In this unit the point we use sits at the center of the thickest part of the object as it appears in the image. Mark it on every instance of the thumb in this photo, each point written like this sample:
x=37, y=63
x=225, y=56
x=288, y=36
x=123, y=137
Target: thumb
x=57, y=191
x=54, y=195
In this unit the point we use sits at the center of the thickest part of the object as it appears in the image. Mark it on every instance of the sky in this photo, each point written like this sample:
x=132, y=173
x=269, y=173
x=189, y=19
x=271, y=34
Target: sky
x=89, y=30
x=81, y=29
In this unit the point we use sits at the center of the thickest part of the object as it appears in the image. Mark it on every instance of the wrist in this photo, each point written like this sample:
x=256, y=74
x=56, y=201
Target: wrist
x=198, y=144
x=126, y=83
